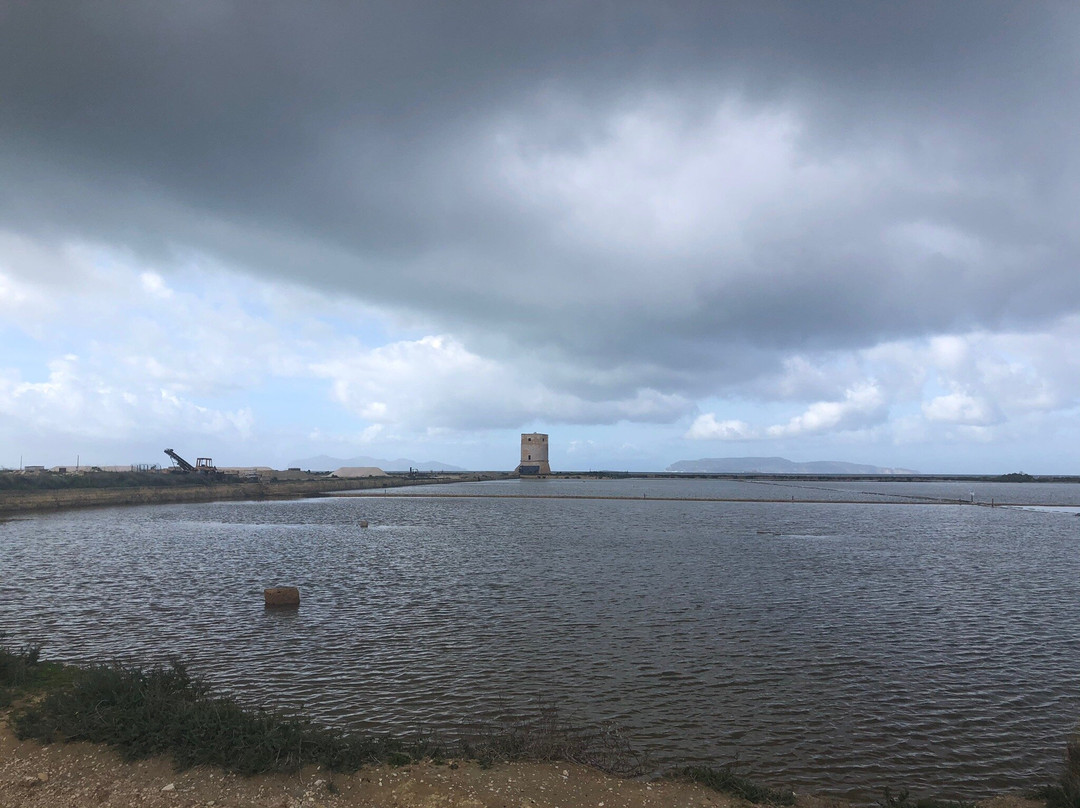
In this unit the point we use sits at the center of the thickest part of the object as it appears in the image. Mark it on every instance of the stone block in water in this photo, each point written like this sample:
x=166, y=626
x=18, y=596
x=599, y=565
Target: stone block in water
x=282, y=596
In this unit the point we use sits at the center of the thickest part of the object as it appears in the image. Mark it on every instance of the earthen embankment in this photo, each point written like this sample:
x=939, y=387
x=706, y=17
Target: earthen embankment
x=36, y=500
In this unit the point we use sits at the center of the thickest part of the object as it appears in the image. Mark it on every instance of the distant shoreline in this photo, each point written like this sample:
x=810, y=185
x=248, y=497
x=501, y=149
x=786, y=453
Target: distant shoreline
x=645, y=498
x=750, y=476
x=42, y=500
x=14, y=502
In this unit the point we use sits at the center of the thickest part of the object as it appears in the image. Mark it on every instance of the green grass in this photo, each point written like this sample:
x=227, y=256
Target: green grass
x=22, y=672
x=19, y=668
x=165, y=711
x=727, y=780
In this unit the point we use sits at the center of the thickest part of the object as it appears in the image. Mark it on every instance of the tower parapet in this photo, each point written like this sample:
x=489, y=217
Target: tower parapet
x=534, y=454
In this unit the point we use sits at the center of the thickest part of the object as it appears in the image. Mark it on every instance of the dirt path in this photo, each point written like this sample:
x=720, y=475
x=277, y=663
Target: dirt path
x=83, y=775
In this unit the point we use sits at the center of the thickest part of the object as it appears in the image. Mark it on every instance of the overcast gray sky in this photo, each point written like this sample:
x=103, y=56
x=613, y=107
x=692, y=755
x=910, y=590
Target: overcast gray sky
x=827, y=230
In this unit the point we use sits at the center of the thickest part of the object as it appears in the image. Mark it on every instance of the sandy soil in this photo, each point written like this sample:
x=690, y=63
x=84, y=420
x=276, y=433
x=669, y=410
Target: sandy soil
x=83, y=776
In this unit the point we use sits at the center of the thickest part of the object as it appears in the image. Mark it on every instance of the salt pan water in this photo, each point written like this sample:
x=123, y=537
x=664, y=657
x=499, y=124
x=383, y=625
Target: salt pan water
x=833, y=637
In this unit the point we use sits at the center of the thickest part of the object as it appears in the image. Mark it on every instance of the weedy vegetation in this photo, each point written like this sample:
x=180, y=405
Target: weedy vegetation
x=11, y=481
x=902, y=799
x=729, y=781
x=165, y=711
x=551, y=737
x=1066, y=792
x=22, y=671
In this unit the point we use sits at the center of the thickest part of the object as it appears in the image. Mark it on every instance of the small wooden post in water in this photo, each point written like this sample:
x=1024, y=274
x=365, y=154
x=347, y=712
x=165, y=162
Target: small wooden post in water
x=281, y=596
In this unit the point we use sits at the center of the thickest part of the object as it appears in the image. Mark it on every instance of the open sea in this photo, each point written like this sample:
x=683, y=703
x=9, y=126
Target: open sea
x=833, y=637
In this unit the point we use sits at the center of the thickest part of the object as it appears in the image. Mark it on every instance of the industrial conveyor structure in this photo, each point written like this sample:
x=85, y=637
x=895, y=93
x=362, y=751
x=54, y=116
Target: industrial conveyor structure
x=203, y=465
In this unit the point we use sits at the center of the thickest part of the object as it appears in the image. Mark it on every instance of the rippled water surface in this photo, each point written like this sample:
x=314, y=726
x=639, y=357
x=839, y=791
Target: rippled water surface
x=833, y=646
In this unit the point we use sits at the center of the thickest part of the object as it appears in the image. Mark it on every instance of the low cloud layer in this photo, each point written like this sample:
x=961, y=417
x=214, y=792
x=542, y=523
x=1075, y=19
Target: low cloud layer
x=559, y=213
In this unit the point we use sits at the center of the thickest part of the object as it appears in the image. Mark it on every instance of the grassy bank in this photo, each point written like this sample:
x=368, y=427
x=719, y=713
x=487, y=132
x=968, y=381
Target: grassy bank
x=186, y=488
x=164, y=711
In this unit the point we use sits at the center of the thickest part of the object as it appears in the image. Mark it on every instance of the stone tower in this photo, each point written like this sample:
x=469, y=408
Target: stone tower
x=534, y=454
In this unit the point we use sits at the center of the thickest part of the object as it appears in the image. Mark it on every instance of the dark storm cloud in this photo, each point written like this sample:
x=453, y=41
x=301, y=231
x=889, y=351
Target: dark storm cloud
x=503, y=167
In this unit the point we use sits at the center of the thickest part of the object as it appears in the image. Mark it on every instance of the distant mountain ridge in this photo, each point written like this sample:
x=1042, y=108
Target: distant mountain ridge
x=777, y=465
x=327, y=463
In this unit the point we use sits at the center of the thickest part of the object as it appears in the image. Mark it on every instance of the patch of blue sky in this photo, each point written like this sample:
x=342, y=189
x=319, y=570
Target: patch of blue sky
x=933, y=387
x=302, y=311
x=369, y=330
x=26, y=355
x=280, y=403
x=754, y=412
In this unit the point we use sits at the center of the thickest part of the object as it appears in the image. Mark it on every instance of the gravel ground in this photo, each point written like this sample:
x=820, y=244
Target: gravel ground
x=83, y=775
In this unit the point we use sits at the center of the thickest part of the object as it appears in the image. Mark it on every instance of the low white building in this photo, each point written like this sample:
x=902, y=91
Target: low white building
x=359, y=471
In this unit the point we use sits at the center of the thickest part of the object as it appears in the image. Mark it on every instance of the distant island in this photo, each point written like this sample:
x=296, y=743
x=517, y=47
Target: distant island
x=327, y=463
x=777, y=465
